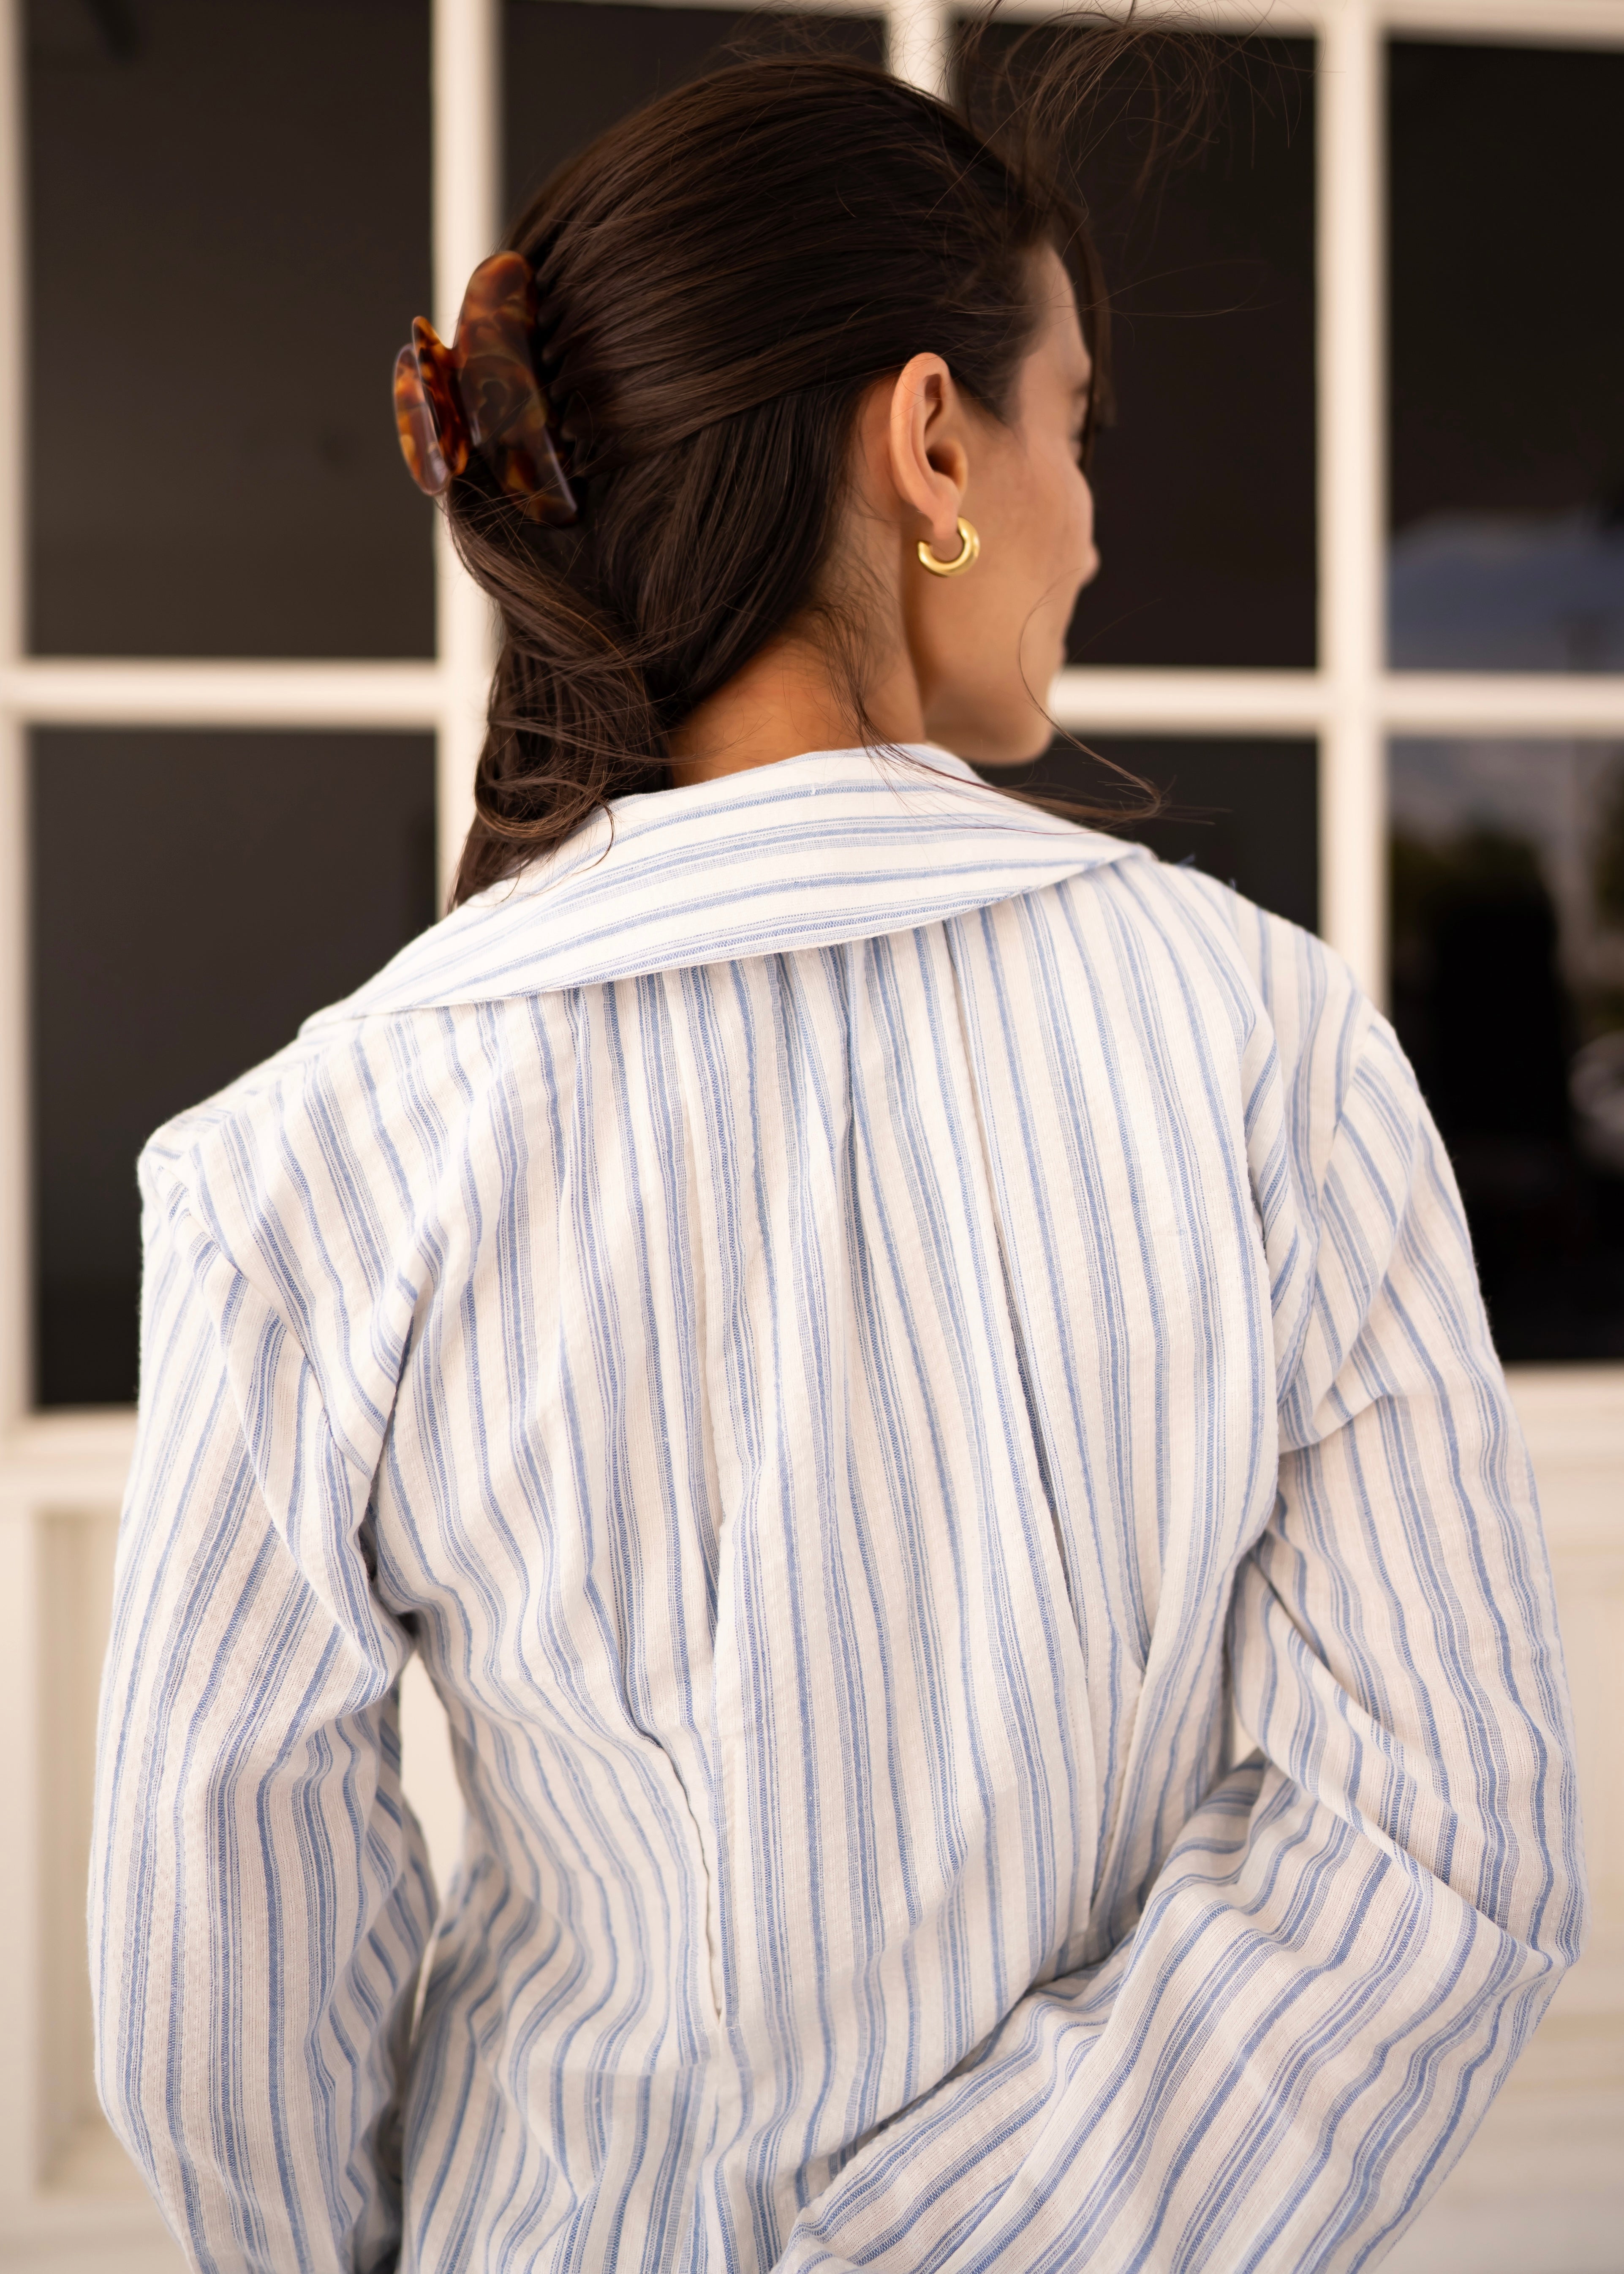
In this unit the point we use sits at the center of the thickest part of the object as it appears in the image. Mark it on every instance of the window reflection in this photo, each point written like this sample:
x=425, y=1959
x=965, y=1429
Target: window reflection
x=1506, y=208
x=1508, y=591
x=1509, y=993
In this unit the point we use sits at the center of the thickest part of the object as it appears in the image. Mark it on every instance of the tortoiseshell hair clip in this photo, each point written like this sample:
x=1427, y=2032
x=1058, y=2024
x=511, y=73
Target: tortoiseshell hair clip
x=482, y=394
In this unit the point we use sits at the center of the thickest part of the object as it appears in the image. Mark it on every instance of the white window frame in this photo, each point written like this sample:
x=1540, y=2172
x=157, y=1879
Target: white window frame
x=72, y=1464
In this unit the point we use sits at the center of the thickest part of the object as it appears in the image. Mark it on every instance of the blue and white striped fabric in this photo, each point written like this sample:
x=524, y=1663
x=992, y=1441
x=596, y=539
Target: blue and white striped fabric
x=856, y=1326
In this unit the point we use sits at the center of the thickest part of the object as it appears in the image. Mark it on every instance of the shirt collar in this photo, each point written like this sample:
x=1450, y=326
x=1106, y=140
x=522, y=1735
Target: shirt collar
x=830, y=846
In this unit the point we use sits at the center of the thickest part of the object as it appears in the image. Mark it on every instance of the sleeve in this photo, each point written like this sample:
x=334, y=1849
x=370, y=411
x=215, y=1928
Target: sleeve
x=1353, y=1935
x=259, y=1895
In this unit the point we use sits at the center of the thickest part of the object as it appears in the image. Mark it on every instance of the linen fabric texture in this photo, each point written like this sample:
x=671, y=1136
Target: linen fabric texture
x=861, y=1330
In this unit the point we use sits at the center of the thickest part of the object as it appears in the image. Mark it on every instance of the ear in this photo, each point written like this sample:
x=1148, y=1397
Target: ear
x=929, y=463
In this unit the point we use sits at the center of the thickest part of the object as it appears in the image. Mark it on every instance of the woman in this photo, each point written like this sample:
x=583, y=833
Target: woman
x=858, y=1326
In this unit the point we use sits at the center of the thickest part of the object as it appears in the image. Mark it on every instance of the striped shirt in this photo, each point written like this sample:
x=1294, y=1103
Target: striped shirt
x=862, y=1331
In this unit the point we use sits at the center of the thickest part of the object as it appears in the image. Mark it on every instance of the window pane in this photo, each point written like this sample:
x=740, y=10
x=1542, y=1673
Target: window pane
x=195, y=897
x=573, y=68
x=228, y=234
x=1509, y=993
x=1506, y=341
x=1205, y=486
x=1244, y=811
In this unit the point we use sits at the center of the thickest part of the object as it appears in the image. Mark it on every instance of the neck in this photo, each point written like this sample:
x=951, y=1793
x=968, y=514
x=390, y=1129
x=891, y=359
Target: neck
x=786, y=700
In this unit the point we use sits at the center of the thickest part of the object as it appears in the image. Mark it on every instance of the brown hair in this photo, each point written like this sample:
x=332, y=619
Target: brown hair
x=720, y=277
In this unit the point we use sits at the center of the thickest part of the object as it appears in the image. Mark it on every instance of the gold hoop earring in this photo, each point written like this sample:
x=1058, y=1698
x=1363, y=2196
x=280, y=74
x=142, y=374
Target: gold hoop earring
x=968, y=553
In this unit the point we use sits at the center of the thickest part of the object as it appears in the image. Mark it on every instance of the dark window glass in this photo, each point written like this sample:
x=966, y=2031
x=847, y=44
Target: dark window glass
x=1205, y=486
x=228, y=235
x=1508, y=994
x=1244, y=811
x=1506, y=211
x=195, y=896
x=572, y=68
